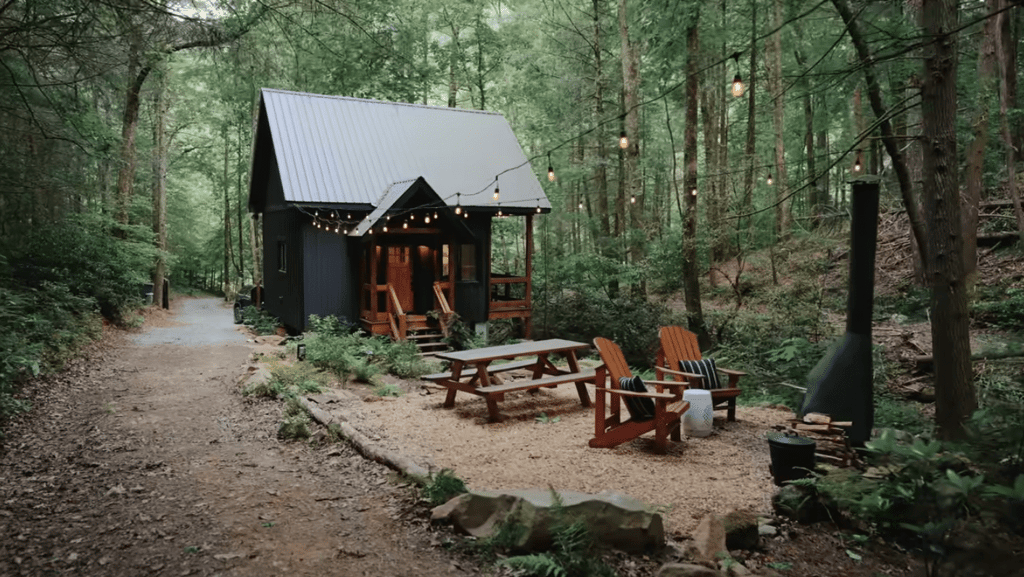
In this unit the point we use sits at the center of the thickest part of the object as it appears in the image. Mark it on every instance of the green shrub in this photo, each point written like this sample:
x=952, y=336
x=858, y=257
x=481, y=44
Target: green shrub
x=295, y=424
x=339, y=350
x=442, y=487
x=1006, y=311
x=261, y=322
x=83, y=255
x=631, y=323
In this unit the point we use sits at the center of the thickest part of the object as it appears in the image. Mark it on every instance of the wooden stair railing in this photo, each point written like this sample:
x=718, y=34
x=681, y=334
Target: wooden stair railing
x=402, y=329
x=446, y=311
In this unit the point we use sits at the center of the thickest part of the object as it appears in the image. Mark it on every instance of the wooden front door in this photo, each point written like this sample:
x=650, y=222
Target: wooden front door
x=400, y=275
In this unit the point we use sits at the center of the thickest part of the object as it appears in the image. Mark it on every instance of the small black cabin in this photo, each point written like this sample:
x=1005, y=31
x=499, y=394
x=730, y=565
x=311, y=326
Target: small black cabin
x=380, y=212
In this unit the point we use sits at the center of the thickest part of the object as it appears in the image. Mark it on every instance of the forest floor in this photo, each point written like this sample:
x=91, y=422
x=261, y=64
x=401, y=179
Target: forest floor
x=142, y=458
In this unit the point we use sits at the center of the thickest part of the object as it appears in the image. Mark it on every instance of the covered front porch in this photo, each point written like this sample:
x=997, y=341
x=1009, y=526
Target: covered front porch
x=416, y=275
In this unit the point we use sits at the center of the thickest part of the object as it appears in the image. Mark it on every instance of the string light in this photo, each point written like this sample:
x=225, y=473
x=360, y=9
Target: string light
x=385, y=228
x=497, y=192
x=458, y=203
x=499, y=212
x=693, y=192
x=858, y=164
x=405, y=224
x=769, y=180
x=737, y=81
x=581, y=205
x=632, y=199
x=426, y=219
x=551, y=170
x=623, y=140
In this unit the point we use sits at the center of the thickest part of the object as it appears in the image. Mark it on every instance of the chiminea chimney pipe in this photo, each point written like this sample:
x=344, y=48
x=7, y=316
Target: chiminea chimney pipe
x=840, y=385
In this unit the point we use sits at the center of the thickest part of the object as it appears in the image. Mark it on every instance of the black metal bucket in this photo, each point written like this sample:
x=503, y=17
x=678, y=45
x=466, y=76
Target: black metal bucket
x=792, y=456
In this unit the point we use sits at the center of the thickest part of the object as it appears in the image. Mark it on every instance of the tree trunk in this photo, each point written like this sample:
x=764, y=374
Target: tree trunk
x=748, y=176
x=631, y=103
x=160, y=188
x=955, y=398
x=783, y=203
x=129, y=126
x=601, y=165
x=885, y=126
x=976, y=149
x=227, y=223
x=1007, y=86
x=812, y=174
x=691, y=276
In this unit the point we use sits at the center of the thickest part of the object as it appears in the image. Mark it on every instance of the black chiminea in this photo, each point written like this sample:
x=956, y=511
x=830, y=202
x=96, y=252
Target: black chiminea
x=840, y=384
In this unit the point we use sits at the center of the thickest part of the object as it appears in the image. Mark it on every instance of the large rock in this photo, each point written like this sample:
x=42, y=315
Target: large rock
x=708, y=540
x=741, y=530
x=614, y=520
x=686, y=570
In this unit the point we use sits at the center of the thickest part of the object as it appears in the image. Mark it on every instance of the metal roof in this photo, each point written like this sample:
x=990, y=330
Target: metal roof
x=333, y=149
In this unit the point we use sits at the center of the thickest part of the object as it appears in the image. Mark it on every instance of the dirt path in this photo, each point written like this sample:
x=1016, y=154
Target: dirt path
x=142, y=459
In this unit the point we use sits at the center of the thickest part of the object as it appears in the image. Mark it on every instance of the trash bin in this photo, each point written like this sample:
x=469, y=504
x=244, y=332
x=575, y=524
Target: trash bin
x=792, y=456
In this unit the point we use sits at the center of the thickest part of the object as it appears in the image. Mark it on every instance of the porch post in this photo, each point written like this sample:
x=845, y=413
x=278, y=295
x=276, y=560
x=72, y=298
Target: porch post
x=528, y=321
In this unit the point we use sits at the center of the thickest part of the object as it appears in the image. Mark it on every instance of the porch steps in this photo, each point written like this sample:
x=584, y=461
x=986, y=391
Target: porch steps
x=428, y=341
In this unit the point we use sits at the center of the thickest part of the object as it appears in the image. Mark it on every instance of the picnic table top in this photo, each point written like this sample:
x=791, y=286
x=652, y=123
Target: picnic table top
x=512, y=351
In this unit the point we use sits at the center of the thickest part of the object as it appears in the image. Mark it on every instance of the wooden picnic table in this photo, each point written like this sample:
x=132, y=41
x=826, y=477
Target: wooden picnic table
x=477, y=380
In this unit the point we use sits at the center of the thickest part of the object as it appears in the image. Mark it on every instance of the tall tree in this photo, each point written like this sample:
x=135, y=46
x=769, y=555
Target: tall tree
x=631, y=104
x=691, y=275
x=955, y=397
x=159, y=156
x=783, y=210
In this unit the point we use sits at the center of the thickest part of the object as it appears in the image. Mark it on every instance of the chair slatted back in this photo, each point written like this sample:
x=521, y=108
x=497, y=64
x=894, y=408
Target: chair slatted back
x=612, y=357
x=678, y=344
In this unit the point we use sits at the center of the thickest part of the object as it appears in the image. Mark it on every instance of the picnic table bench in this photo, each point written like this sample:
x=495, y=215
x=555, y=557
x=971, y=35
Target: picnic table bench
x=476, y=380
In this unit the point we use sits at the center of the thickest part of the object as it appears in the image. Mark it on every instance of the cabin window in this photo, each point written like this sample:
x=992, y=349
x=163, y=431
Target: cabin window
x=282, y=256
x=468, y=262
x=444, y=261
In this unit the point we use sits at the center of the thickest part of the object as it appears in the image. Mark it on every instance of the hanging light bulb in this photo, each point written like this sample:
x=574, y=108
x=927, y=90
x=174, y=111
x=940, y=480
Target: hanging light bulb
x=426, y=219
x=551, y=170
x=385, y=228
x=499, y=212
x=497, y=193
x=458, y=203
x=405, y=224
x=770, y=180
x=349, y=216
x=623, y=140
x=737, y=81
x=538, y=208
x=693, y=192
x=435, y=215
x=632, y=199
x=581, y=205
x=332, y=214
x=858, y=163
x=465, y=215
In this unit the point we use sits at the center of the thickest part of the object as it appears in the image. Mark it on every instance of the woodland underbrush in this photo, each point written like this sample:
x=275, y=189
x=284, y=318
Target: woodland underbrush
x=57, y=287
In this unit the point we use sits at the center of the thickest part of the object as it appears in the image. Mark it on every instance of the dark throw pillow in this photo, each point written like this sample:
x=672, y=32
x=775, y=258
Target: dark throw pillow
x=640, y=408
x=704, y=367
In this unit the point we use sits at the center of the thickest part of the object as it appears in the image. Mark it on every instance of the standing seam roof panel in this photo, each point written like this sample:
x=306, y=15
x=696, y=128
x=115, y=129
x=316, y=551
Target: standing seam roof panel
x=345, y=150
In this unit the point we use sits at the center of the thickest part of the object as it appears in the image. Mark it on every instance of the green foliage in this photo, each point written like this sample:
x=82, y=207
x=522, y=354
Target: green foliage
x=909, y=301
x=630, y=322
x=442, y=487
x=544, y=419
x=1005, y=311
x=41, y=327
x=83, y=255
x=295, y=422
x=572, y=552
x=388, y=390
x=332, y=345
x=287, y=381
x=261, y=322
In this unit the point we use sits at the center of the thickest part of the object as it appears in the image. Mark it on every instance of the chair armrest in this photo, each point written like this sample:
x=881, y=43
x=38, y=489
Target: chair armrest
x=734, y=377
x=649, y=395
x=675, y=384
x=690, y=376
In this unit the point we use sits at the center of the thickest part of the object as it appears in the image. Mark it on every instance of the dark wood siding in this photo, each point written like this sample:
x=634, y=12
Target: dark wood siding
x=329, y=278
x=283, y=289
x=472, y=296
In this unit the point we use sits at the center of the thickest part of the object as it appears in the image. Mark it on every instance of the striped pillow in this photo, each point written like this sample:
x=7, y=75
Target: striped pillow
x=640, y=408
x=704, y=367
